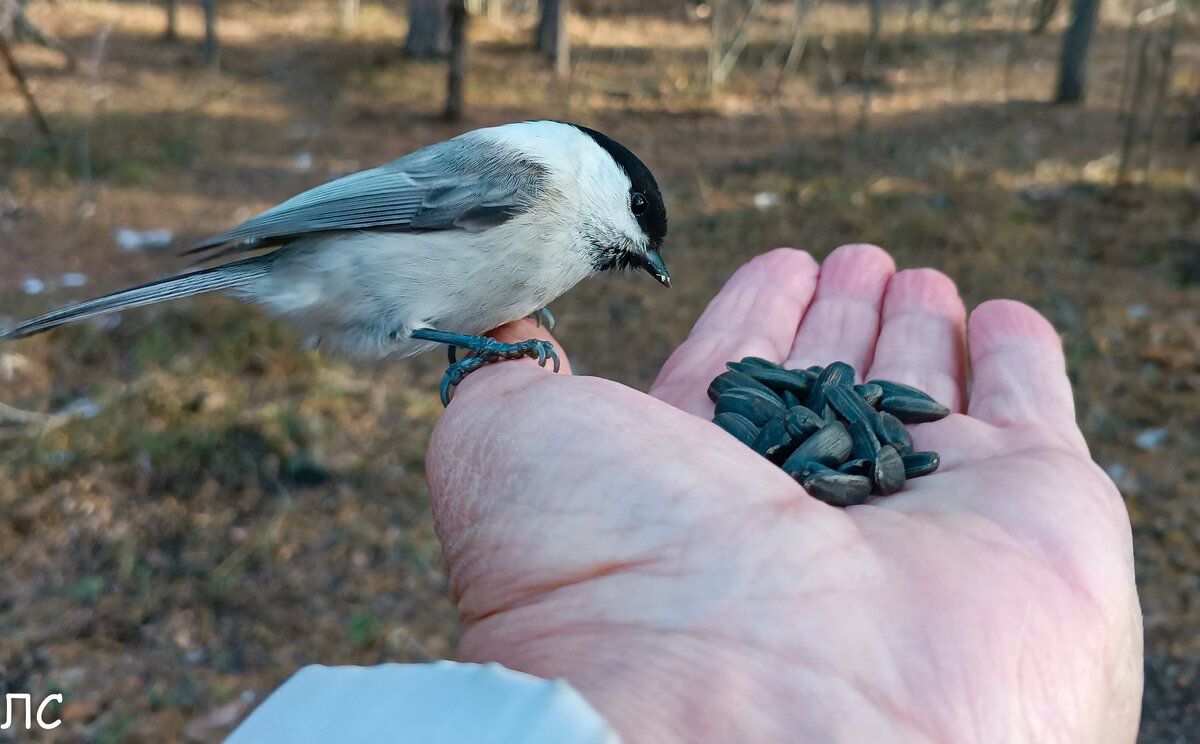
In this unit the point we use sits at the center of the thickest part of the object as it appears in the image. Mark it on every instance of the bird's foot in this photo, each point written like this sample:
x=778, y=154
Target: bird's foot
x=485, y=350
x=542, y=316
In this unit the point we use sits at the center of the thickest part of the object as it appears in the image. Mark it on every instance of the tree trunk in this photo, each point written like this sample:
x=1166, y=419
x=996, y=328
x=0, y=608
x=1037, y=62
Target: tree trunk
x=1013, y=46
x=458, y=60
x=349, y=14
x=1166, y=51
x=553, y=40
x=1043, y=13
x=1073, y=64
x=31, y=103
x=212, y=48
x=171, y=34
x=871, y=54
x=428, y=29
x=727, y=39
x=1135, y=106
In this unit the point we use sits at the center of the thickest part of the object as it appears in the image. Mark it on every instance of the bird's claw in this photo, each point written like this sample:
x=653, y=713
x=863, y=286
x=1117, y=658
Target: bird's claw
x=544, y=318
x=495, y=351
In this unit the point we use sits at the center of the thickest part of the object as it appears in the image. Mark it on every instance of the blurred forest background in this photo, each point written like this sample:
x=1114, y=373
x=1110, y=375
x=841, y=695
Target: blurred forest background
x=191, y=507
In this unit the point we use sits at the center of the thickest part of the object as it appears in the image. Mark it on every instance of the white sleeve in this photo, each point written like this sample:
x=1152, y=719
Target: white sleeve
x=443, y=702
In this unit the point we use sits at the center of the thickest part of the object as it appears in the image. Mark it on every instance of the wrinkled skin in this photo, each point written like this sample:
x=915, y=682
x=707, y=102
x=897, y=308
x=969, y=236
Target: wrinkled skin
x=694, y=593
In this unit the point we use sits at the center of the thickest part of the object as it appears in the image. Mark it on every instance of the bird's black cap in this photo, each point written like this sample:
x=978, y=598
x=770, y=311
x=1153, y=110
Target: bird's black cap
x=653, y=220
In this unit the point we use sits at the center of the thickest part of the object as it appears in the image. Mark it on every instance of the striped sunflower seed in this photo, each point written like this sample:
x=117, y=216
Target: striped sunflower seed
x=753, y=361
x=920, y=463
x=801, y=469
x=781, y=380
x=898, y=388
x=838, y=373
x=731, y=380
x=870, y=392
x=912, y=409
x=737, y=425
x=860, y=466
x=863, y=442
x=773, y=441
x=755, y=405
x=802, y=423
x=830, y=446
x=891, y=431
x=888, y=473
x=837, y=489
x=910, y=405
x=849, y=405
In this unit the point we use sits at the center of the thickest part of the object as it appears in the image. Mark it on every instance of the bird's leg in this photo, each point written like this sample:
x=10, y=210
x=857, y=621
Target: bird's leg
x=486, y=350
x=541, y=316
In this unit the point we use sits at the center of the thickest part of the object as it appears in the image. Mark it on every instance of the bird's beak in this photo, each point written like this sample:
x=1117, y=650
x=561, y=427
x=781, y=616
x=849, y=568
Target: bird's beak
x=654, y=266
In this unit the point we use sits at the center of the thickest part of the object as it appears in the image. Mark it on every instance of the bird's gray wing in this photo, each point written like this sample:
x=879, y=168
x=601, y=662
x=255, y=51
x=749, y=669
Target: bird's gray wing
x=448, y=186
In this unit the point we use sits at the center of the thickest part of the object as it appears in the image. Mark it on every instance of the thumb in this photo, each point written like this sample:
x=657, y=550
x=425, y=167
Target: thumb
x=484, y=405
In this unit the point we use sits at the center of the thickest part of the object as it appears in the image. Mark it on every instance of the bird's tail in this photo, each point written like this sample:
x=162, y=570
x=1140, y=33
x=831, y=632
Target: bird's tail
x=185, y=285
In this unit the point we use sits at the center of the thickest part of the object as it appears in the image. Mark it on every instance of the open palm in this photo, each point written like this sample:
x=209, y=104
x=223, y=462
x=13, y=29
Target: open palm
x=693, y=592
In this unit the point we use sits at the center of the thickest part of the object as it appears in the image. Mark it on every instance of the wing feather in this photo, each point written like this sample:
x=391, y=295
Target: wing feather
x=459, y=184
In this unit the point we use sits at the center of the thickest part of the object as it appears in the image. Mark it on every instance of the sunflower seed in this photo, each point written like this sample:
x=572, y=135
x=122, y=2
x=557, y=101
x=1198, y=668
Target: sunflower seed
x=774, y=442
x=823, y=430
x=838, y=373
x=891, y=431
x=920, y=463
x=737, y=425
x=863, y=442
x=731, y=380
x=888, y=473
x=801, y=469
x=753, y=361
x=850, y=405
x=905, y=394
x=755, y=405
x=913, y=410
x=830, y=446
x=898, y=388
x=781, y=380
x=860, y=466
x=829, y=416
x=802, y=423
x=837, y=489
x=870, y=392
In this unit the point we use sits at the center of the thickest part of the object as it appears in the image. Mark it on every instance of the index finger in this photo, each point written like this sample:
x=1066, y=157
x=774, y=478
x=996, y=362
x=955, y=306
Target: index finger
x=1019, y=371
x=756, y=313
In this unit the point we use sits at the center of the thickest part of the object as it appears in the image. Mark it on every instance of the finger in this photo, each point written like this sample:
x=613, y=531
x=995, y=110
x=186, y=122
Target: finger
x=1019, y=370
x=521, y=467
x=756, y=313
x=923, y=336
x=843, y=321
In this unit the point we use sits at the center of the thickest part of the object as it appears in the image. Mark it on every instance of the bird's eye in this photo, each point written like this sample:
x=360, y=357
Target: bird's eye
x=638, y=203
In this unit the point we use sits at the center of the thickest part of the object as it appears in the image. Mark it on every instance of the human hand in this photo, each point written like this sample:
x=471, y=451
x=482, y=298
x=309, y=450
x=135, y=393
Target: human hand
x=692, y=591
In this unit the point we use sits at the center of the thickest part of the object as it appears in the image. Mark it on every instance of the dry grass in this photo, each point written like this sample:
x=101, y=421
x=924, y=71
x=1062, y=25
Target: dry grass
x=217, y=507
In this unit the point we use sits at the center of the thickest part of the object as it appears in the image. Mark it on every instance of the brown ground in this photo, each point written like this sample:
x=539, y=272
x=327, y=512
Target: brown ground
x=236, y=508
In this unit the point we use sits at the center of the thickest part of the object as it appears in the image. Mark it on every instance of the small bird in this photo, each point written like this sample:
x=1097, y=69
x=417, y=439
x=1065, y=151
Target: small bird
x=437, y=247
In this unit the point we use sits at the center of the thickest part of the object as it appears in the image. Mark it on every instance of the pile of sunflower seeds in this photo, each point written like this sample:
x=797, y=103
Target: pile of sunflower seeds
x=842, y=442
